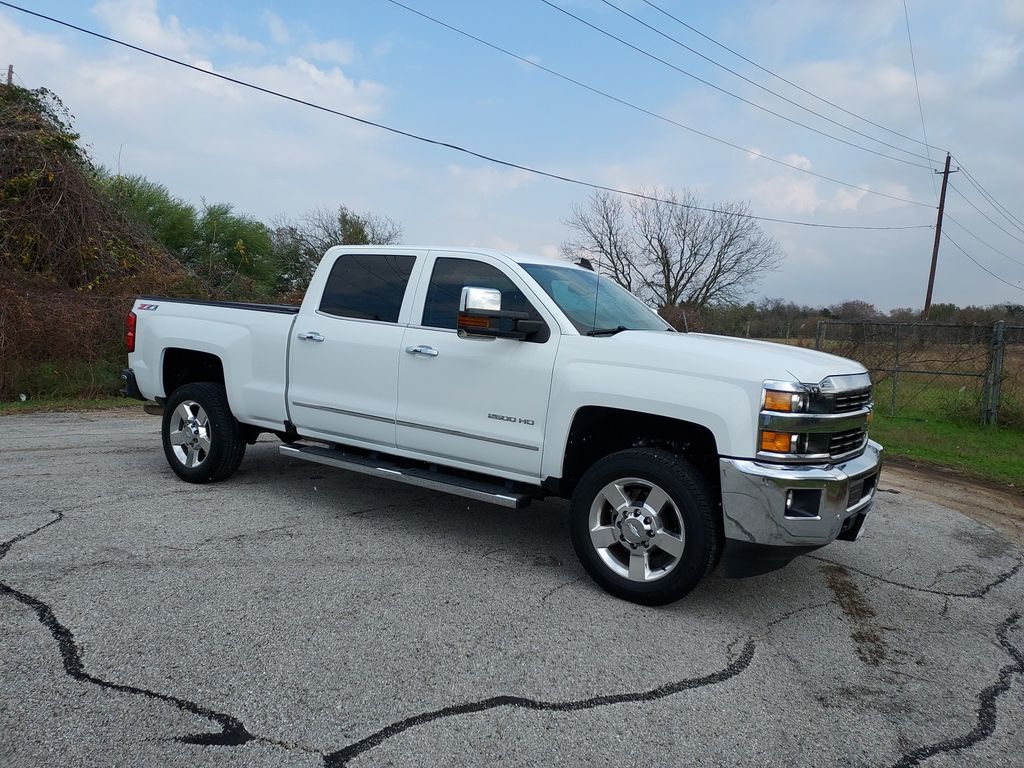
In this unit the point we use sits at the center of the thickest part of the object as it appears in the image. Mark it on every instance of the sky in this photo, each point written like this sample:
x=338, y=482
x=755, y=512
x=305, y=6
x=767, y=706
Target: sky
x=210, y=140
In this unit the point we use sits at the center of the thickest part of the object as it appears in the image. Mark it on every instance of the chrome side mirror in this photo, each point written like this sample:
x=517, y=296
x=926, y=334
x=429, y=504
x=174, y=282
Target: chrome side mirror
x=480, y=300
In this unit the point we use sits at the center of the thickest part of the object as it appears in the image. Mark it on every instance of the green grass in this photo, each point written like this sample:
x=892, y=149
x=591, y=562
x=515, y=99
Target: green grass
x=987, y=453
x=51, y=404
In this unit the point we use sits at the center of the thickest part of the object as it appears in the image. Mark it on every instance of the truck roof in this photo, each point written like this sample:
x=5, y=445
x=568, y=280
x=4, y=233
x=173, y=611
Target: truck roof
x=519, y=258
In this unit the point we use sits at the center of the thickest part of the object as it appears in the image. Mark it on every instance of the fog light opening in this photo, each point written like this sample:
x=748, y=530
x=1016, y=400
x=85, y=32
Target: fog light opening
x=803, y=504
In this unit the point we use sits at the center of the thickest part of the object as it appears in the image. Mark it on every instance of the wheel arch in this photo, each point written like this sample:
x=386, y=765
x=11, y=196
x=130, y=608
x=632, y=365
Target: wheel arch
x=189, y=366
x=598, y=431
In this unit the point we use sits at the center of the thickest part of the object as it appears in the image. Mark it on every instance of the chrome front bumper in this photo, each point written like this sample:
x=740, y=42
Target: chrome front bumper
x=829, y=500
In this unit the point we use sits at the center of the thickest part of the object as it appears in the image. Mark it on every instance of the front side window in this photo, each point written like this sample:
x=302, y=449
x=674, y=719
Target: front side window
x=367, y=286
x=450, y=276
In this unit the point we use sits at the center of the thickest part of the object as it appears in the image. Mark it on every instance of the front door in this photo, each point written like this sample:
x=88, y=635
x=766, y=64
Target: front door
x=478, y=401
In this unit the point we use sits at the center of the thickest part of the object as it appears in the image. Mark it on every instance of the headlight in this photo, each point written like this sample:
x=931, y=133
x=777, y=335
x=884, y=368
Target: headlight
x=802, y=423
x=786, y=402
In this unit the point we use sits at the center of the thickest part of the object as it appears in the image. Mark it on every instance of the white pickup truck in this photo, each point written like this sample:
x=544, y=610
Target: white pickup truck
x=507, y=378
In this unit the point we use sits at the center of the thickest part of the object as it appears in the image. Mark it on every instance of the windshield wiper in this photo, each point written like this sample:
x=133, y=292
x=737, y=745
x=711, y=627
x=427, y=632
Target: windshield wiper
x=607, y=331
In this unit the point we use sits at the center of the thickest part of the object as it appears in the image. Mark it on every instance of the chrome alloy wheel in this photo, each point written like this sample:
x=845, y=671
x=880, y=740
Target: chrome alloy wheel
x=637, y=529
x=190, y=434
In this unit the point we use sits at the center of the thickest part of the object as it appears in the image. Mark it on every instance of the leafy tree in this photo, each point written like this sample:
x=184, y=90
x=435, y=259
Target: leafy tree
x=171, y=221
x=854, y=309
x=232, y=252
x=299, y=244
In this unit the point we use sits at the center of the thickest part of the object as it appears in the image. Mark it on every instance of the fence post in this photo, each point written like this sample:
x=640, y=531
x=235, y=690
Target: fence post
x=993, y=379
x=819, y=334
x=895, y=373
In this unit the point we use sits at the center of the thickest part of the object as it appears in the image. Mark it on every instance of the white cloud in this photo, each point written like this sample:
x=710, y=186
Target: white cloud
x=238, y=44
x=138, y=22
x=783, y=194
x=849, y=199
x=330, y=51
x=487, y=180
x=279, y=32
x=798, y=160
x=997, y=60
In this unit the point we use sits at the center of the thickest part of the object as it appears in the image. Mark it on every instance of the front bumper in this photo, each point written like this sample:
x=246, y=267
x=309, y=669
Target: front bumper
x=824, y=502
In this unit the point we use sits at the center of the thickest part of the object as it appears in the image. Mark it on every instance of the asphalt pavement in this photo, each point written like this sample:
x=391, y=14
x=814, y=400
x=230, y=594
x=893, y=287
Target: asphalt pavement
x=301, y=616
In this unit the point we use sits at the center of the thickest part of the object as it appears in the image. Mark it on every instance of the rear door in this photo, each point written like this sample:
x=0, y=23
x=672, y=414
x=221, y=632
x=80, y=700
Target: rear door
x=344, y=354
x=481, y=402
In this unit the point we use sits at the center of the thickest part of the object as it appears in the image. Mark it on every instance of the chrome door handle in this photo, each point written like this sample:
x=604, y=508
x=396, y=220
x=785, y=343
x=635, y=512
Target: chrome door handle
x=311, y=336
x=422, y=349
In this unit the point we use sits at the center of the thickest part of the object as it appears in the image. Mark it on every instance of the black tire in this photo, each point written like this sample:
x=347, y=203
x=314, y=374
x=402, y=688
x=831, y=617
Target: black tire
x=213, y=446
x=688, y=516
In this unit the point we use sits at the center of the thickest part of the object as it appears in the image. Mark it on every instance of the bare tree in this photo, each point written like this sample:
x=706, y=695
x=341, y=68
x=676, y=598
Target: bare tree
x=603, y=236
x=671, y=253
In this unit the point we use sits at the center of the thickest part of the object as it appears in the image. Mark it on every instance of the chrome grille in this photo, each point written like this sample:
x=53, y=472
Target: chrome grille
x=842, y=443
x=853, y=400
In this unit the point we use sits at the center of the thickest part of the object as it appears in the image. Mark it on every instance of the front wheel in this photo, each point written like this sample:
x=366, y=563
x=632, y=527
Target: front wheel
x=644, y=526
x=202, y=440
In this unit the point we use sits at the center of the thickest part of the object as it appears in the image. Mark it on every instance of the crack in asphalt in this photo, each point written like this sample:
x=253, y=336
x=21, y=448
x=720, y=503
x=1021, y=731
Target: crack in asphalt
x=987, y=710
x=342, y=756
x=232, y=733
x=973, y=594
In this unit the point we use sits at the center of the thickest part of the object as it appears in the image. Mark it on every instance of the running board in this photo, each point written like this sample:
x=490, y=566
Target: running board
x=492, y=493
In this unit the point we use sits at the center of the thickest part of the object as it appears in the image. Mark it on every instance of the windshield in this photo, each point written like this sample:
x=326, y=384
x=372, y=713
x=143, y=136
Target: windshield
x=579, y=293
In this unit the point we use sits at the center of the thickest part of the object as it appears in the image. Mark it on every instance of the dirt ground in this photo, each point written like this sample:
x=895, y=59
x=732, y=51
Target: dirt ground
x=986, y=503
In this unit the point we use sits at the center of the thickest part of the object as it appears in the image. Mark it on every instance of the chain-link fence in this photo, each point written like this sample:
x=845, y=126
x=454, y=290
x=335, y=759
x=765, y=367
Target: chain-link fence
x=937, y=369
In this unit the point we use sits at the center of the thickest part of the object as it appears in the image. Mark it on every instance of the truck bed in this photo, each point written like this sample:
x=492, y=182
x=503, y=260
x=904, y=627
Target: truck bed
x=283, y=309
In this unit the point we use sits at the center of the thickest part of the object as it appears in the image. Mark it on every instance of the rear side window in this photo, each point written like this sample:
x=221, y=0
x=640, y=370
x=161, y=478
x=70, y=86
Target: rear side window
x=450, y=276
x=367, y=286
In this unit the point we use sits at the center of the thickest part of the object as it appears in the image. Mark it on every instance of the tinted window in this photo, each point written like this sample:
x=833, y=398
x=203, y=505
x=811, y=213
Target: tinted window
x=452, y=275
x=367, y=286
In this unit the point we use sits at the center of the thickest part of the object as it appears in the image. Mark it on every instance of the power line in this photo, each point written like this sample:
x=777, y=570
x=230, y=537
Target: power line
x=917, y=87
x=776, y=75
x=983, y=242
x=978, y=263
x=756, y=84
x=991, y=220
x=638, y=108
x=736, y=96
x=1006, y=213
x=444, y=144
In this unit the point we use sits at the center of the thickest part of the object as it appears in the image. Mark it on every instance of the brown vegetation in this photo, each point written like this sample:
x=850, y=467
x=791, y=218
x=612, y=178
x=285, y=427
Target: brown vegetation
x=69, y=259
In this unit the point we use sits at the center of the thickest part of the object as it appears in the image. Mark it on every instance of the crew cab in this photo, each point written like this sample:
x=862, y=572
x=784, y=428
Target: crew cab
x=510, y=378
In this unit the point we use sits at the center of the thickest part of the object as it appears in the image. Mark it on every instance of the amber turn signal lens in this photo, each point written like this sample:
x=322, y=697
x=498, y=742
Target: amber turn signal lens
x=473, y=321
x=777, y=442
x=778, y=401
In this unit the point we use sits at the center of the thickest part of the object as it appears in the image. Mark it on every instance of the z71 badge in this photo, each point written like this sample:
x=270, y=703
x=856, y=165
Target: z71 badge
x=150, y=307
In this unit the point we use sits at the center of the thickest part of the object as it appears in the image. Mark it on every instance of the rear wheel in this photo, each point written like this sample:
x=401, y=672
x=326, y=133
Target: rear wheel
x=202, y=440
x=644, y=527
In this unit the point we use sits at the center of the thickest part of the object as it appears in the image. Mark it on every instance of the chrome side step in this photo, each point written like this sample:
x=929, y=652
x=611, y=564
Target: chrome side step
x=435, y=481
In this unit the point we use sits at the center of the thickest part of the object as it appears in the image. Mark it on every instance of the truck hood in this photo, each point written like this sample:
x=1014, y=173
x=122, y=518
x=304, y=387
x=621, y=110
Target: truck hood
x=725, y=357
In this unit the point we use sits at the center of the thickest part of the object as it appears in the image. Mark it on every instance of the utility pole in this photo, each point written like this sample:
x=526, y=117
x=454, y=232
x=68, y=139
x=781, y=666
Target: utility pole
x=10, y=74
x=938, y=235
